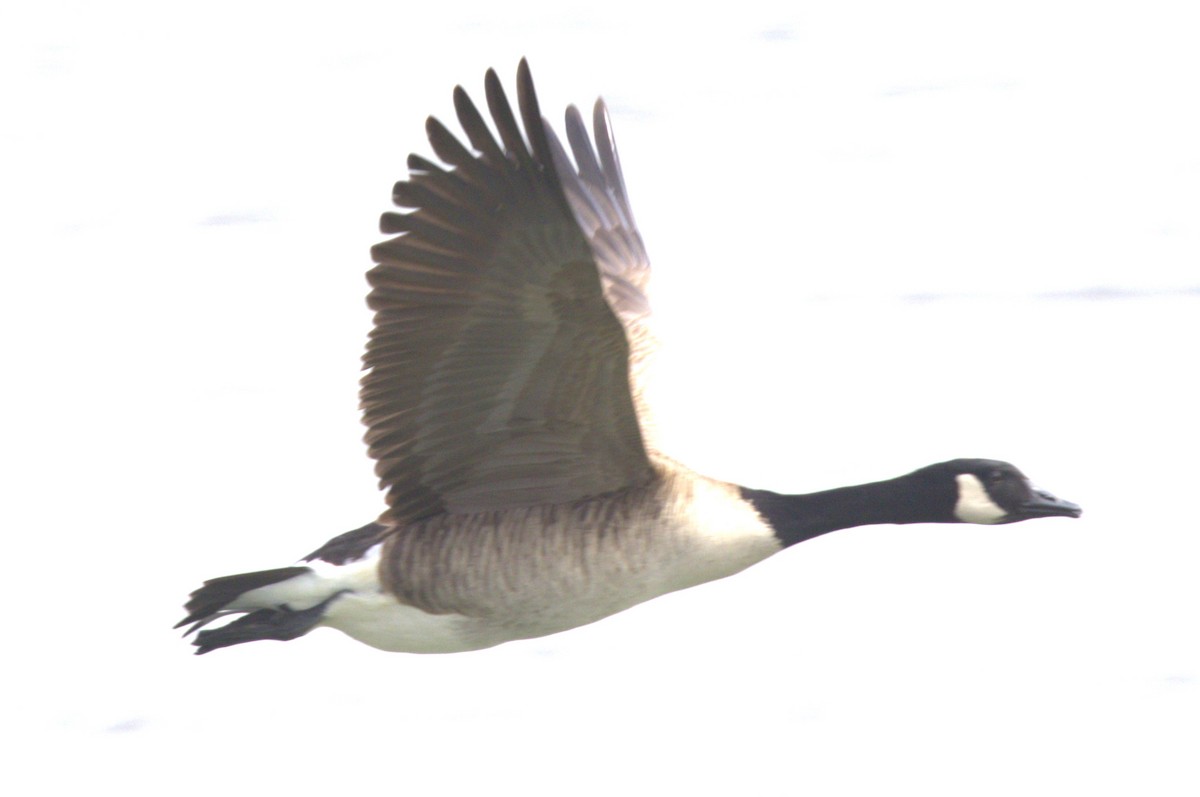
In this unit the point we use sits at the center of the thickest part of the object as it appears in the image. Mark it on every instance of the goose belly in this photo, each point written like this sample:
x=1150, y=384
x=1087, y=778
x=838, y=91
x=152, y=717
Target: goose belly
x=462, y=582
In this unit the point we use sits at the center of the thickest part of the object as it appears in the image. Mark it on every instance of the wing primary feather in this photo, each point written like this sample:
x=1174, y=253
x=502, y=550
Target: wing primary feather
x=391, y=223
x=451, y=150
x=405, y=250
x=581, y=148
x=535, y=129
x=476, y=128
x=445, y=145
x=531, y=116
x=453, y=187
x=417, y=164
x=506, y=123
x=438, y=204
x=588, y=213
x=607, y=145
x=453, y=238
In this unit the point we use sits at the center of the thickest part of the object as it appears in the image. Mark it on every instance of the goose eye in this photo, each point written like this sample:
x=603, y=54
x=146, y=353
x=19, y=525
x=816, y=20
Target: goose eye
x=995, y=477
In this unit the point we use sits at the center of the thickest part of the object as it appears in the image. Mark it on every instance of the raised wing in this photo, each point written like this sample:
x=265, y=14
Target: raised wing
x=499, y=375
x=595, y=189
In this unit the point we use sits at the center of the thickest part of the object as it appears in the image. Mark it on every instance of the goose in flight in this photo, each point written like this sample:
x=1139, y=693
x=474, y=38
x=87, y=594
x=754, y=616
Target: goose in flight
x=505, y=409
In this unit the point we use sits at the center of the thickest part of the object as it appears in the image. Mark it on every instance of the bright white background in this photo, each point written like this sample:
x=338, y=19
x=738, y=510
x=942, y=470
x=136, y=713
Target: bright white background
x=885, y=234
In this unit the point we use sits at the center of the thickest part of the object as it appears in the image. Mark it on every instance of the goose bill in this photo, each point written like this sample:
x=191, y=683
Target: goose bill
x=1044, y=504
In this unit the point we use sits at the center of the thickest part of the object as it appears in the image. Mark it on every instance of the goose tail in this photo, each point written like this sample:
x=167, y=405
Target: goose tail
x=281, y=604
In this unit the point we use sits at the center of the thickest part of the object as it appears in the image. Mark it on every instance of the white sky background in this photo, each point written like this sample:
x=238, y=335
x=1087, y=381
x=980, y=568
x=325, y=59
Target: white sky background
x=884, y=235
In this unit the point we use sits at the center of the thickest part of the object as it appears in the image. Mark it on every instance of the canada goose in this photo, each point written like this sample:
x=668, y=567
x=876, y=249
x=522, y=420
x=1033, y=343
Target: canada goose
x=505, y=410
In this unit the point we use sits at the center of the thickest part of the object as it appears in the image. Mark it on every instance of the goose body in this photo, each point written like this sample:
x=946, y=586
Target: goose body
x=475, y=580
x=506, y=411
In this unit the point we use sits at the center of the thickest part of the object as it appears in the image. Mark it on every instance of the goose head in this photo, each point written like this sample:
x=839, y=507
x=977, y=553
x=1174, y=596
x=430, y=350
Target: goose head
x=990, y=492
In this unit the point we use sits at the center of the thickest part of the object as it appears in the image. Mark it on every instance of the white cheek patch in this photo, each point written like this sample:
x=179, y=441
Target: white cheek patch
x=974, y=504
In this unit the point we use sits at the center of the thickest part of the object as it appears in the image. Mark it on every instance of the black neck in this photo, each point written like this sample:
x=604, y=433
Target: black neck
x=906, y=499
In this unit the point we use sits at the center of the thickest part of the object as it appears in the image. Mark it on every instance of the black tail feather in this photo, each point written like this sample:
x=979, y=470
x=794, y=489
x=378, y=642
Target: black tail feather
x=279, y=623
x=207, y=602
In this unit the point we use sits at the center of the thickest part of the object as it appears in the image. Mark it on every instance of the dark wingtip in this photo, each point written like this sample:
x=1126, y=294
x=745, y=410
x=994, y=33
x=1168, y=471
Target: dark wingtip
x=531, y=115
x=524, y=74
